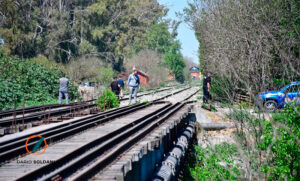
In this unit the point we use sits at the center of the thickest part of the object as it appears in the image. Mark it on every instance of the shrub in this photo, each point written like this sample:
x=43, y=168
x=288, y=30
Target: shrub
x=150, y=62
x=222, y=89
x=207, y=165
x=84, y=69
x=108, y=100
x=283, y=141
x=22, y=79
x=209, y=107
x=105, y=75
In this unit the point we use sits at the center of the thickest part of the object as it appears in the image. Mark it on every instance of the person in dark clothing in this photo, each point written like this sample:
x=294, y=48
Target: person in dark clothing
x=121, y=83
x=206, y=88
x=115, y=87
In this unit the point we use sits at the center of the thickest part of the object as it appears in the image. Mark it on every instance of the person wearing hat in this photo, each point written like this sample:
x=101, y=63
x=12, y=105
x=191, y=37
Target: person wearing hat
x=133, y=84
x=206, y=88
x=115, y=87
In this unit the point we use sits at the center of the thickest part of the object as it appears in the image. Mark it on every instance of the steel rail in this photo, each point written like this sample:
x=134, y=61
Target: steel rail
x=31, y=109
x=16, y=148
x=169, y=95
x=148, y=93
x=39, y=115
x=86, y=154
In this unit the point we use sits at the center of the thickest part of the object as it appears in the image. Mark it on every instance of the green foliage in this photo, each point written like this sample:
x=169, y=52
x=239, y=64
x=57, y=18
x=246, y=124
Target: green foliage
x=23, y=79
x=163, y=84
x=108, y=100
x=105, y=75
x=221, y=88
x=42, y=60
x=64, y=30
x=161, y=40
x=175, y=61
x=285, y=161
x=36, y=103
x=239, y=115
x=209, y=107
x=244, y=105
x=86, y=48
x=215, y=163
x=146, y=102
x=222, y=23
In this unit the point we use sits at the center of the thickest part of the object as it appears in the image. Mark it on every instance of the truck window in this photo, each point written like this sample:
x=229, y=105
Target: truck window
x=294, y=88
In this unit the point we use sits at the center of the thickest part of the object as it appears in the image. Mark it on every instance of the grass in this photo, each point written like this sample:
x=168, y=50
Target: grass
x=37, y=103
x=211, y=108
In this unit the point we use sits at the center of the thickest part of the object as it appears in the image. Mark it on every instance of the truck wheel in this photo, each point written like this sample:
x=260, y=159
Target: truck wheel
x=270, y=105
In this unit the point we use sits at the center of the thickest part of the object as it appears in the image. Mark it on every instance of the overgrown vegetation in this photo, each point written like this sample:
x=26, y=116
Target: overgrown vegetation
x=215, y=163
x=21, y=79
x=281, y=139
x=90, y=35
x=107, y=100
x=251, y=44
x=209, y=107
x=263, y=150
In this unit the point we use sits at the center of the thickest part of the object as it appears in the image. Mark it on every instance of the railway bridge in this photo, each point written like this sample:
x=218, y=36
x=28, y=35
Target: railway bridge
x=145, y=141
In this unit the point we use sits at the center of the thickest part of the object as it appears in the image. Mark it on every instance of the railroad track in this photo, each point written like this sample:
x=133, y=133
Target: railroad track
x=110, y=135
x=45, y=114
x=148, y=93
x=47, y=111
x=14, y=147
x=31, y=109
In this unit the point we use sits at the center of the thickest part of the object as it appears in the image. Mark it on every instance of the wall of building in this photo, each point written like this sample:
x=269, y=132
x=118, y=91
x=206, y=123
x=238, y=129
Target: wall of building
x=195, y=74
x=143, y=79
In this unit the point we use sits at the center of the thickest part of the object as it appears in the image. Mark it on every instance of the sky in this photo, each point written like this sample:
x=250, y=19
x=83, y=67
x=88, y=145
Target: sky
x=186, y=35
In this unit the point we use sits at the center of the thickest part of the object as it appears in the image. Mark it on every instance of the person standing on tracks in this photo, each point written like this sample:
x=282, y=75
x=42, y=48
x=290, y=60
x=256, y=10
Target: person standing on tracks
x=133, y=83
x=63, y=89
x=121, y=83
x=115, y=87
x=206, y=88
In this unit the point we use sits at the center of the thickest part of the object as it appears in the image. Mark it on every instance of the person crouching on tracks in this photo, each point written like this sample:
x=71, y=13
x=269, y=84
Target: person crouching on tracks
x=133, y=84
x=121, y=83
x=63, y=89
x=206, y=88
x=115, y=87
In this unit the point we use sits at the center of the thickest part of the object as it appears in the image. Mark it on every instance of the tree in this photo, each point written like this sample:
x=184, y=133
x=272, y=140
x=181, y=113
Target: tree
x=150, y=62
x=175, y=62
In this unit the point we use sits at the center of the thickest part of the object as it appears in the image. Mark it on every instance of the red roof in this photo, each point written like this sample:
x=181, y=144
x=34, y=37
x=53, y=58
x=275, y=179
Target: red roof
x=143, y=74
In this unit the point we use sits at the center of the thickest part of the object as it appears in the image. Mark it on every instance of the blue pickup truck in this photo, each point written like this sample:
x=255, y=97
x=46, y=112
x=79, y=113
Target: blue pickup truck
x=273, y=100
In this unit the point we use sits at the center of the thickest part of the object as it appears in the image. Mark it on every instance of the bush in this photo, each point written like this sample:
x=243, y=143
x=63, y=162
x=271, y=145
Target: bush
x=108, y=100
x=207, y=163
x=151, y=64
x=22, y=79
x=284, y=163
x=209, y=107
x=84, y=69
x=222, y=89
x=105, y=76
